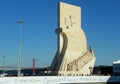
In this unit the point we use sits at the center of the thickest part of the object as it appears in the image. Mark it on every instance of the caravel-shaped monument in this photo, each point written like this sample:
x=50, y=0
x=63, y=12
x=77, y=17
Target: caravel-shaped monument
x=72, y=57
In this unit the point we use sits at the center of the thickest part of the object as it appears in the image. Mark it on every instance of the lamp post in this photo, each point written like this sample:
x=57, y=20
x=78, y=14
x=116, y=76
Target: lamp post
x=20, y=22
x=3, y=64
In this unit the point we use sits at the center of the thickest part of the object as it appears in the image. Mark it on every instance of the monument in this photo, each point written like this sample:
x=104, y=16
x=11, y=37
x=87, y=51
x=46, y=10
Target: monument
x=72, y=57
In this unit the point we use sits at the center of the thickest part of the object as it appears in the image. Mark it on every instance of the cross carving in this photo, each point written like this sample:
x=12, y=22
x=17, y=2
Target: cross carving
x=69, y=21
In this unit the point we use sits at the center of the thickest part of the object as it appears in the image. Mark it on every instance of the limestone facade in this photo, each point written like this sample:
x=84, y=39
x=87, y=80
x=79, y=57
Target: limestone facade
x=72, y=56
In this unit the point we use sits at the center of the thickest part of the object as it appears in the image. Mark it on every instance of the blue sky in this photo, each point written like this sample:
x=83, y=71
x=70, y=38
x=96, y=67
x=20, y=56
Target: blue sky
x=100, y=22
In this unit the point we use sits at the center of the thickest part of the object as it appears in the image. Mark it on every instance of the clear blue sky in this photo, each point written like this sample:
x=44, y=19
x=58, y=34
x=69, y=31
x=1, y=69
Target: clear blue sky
x=100, y=22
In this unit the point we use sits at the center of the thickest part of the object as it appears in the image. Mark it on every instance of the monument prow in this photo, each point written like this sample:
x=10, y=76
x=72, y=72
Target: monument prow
x=72, y=56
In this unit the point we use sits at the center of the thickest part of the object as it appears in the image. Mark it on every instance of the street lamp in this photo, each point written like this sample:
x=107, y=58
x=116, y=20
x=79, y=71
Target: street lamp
x=3, y=65
x=20, y=22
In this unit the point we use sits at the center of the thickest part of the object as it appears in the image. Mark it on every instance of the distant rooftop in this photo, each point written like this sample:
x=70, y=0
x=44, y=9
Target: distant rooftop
x=116, y=62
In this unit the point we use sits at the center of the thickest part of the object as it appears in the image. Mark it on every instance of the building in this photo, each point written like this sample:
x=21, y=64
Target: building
x=116, y=68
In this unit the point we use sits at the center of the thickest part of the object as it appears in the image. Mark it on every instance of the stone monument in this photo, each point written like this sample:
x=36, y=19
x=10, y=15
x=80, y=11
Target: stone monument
x=72, y=57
